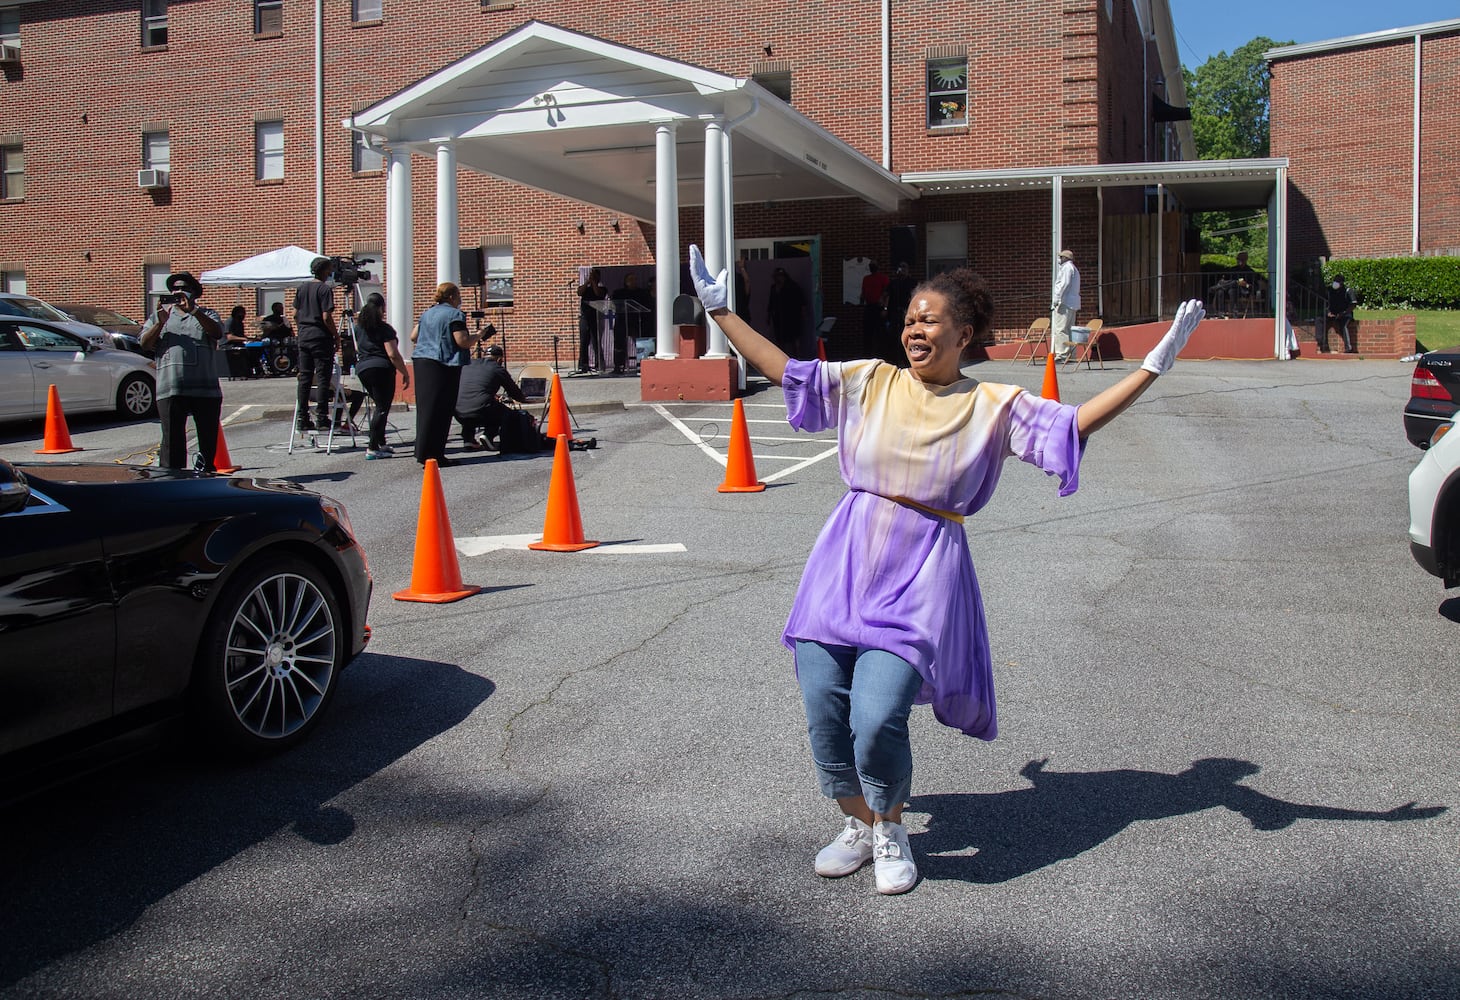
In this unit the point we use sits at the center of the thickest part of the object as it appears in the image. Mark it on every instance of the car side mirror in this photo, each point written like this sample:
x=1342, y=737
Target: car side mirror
x=14, y=490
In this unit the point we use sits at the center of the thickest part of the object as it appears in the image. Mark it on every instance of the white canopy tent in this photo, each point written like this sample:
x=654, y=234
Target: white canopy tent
x=286, y=267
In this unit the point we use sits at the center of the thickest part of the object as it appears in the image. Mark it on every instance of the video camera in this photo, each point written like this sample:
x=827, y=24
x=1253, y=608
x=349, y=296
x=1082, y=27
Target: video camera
x=173, y=298
x=348, y=271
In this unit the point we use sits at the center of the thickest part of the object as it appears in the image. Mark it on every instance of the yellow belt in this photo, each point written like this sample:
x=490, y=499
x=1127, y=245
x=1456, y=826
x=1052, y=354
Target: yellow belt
x=947, y=515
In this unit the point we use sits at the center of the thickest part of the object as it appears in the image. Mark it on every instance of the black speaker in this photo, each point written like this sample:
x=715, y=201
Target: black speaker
x=902, y=248
x=473, y=267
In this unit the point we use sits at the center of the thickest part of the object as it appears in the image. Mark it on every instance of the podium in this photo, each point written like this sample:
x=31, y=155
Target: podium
x=603, y=336
x=629, y=322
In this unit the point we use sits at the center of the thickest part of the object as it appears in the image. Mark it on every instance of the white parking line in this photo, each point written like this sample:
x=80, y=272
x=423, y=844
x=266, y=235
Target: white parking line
x=480, y=545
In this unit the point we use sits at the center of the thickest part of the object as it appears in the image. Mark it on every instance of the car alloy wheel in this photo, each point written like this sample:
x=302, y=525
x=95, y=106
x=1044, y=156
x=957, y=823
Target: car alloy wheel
x=271, y=655
x=136, y=396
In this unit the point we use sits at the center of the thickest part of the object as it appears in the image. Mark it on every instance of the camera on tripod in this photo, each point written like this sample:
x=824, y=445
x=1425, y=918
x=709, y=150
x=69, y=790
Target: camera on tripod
x=348, y=271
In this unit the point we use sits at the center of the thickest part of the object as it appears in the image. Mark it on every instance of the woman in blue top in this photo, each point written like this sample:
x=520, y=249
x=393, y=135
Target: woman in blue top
x=443, y=346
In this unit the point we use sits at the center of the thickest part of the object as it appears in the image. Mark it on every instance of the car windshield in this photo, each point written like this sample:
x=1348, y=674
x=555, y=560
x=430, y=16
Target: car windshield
x=101, y=317
x=23, y=305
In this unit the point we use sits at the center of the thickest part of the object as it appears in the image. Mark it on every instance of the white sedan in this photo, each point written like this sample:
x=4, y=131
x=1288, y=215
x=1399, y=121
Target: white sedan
x=1434, y=508
x=35, y=355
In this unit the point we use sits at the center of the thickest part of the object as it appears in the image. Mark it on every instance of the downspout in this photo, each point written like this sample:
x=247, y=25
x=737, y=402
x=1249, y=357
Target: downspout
x=729, y=168
x=1414, y=208
x=319, y=127
x=886, y=84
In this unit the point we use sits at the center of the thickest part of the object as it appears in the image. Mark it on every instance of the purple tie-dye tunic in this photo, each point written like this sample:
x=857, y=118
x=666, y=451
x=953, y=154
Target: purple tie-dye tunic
x=886, y=575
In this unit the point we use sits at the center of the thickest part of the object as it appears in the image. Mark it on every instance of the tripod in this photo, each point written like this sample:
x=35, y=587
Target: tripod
x=548, y=399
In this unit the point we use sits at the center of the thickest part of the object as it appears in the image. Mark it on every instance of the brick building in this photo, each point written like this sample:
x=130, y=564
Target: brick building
x=147, y=136
x=1369, y=127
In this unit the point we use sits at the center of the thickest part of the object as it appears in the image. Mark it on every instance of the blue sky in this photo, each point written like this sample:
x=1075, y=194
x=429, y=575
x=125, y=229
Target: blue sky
x=1206, y=27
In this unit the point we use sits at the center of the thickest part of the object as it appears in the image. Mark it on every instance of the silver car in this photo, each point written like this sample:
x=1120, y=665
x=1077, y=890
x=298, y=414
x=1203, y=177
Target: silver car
x=28, y=306
x=36, y=355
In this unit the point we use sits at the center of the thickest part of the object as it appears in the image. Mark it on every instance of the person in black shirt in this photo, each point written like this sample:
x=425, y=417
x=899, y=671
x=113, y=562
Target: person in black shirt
x=377, y=360
x=314, y=317
x=477, y=406
x=1340, y=315
x=590, y=322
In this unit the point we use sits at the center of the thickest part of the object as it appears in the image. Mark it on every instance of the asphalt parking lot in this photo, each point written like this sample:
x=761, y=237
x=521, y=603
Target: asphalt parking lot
x=1228, y=703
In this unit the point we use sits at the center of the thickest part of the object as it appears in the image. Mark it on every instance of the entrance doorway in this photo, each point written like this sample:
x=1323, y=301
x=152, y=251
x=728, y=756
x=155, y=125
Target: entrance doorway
x=800, y=256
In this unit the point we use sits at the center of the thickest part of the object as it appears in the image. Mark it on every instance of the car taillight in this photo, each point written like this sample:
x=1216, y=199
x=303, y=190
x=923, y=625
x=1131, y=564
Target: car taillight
x=1424, y=385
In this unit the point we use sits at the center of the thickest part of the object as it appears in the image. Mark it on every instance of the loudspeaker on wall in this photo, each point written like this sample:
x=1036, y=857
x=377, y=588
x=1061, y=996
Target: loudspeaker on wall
x=472, y=267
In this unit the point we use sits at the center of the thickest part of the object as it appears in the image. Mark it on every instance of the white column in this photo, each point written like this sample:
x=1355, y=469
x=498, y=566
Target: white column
x=1160, y=248
x=1277, y=257
x=1057, y=226
x=715, y=256
x=666, y=238
x=399, y=272
x=448, y=226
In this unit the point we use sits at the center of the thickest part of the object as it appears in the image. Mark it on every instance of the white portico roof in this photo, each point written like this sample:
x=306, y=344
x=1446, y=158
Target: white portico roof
x=575, y=115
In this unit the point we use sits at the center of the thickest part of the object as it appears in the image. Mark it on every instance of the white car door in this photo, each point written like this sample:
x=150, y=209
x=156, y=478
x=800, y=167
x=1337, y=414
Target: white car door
x=58, y=357
x=17, y=391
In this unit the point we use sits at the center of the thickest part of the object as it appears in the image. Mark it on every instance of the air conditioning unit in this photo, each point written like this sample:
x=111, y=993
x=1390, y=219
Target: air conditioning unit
x=9, y=53
x=152, y=179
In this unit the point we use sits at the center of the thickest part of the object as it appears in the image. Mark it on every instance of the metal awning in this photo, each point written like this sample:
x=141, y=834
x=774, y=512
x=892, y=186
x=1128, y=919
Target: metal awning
x=575, y=115
x=1200, y=185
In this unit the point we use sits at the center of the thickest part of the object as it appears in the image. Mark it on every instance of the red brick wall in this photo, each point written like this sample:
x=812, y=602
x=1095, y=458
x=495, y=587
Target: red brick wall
x=1345, y=119
x=86, y=87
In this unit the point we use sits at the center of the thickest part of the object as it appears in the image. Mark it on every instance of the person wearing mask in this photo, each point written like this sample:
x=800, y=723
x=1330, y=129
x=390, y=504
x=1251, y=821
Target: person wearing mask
x=1066, y=305
x=1340, y=316
x=443, y=344
x=888, y=611
x=184, y=338
x=590, y=323
x=478, y=409
x=377, y=361
x=319, y=339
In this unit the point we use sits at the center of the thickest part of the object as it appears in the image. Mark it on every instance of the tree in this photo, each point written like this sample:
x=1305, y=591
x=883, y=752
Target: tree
x=1229, y=96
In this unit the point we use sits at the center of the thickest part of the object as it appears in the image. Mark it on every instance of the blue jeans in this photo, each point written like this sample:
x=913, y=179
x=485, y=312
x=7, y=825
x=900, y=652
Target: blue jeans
x=857, y=704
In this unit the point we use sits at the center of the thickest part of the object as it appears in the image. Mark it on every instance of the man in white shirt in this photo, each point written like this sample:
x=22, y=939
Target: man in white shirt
x=1066, y=303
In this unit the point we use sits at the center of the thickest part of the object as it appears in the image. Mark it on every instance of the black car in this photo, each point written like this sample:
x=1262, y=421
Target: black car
x=1434, y=396
x=126, y=332
x=130, y=595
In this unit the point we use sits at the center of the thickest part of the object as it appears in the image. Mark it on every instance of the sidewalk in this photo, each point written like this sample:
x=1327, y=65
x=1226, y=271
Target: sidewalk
x=273, y=398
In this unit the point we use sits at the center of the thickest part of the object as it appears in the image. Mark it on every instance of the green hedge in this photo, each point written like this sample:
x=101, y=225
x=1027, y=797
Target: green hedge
x=1400, y=282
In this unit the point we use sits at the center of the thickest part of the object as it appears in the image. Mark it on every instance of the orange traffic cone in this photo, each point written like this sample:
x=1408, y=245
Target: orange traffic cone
x=740, y=463
x=58, y=438
x=562, y=529
x=558, y=412
x=1051, y=388
x=435, y=574
x=222, y=461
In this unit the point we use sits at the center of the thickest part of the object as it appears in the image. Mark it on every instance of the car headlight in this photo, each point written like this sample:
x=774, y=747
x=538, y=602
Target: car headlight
x=336, y=510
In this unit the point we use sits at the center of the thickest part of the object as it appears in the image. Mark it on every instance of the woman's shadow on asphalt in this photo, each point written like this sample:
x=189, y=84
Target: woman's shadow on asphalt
x=1065, y=814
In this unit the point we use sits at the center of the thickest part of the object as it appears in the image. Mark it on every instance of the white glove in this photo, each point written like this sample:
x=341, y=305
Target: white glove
x=711, y=290
x=1163, y=356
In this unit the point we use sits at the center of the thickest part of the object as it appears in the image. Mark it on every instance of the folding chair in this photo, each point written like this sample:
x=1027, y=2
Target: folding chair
x=533, y=379
x=1091, y=345
x=1037, y=333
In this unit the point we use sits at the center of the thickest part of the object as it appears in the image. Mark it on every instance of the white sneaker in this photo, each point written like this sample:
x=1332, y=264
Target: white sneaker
x=892, y=859
x=849, y=851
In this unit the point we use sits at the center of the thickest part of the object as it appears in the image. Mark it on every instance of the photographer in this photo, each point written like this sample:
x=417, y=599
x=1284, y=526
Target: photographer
x=185, y=338
x=443, y=347
x=478, y=409
x=314, y=318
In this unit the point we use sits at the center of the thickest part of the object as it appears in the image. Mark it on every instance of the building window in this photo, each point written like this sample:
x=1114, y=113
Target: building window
x=364, y=10
x=154, y=279
x=777, y=83
x=154, y=23
x=498, y=274
x=156, y=153
x=947, y=92
x=12, y=173
x=12, y=282
x=364, y=158
x=268, y=17
x=265, y=298
x=9, y=24
x=269, y=151
x=947, y=246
